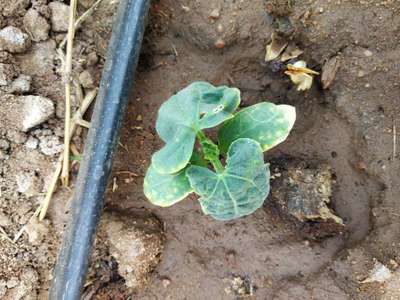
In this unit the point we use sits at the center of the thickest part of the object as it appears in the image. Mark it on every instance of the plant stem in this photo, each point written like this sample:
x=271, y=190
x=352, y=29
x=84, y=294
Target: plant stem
x=80, y=20
x=68, y=71
x=219, y=168
x=210, y=151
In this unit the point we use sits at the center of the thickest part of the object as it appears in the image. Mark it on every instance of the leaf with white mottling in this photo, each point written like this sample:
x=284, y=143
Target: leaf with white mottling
x=240, y=189
x=266, y=123
x=196, y=107
x=166, y=189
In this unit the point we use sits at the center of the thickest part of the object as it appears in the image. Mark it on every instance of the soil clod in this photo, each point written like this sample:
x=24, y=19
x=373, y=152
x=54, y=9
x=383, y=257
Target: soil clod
x=12, y=39
x=136, y=243
x=303, y=194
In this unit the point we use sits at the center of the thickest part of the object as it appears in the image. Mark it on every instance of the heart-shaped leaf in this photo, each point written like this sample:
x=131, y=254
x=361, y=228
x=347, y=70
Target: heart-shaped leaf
x=240, y=189
x=266, y=123
x=166, y=189
x=196, y=107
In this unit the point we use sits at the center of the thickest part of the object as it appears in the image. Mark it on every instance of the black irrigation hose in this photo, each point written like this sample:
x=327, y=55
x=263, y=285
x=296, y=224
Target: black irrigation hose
x=115, y=86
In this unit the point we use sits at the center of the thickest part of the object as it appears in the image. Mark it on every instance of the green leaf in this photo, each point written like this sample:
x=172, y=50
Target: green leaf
x=240, y=189
x=166, y=189
x=218, y=106
x=175, y=155
x=266, y=123
x=196, y=107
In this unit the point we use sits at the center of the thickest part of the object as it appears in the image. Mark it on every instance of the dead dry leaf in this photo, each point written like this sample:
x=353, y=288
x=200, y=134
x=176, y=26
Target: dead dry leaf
x=275, y=48
x=292, y=51
x=329, y=71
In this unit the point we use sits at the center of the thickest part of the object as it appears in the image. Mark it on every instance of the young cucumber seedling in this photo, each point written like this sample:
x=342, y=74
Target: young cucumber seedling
x=233, y=189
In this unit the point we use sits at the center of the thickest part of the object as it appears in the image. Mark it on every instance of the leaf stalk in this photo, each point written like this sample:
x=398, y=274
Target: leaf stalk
x=210, y=151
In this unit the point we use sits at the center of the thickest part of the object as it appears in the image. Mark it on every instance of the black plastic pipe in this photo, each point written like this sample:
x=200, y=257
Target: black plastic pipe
x=87, y=204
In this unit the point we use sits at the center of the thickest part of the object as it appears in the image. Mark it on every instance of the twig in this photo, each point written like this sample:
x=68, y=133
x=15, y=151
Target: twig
x=5, y=235
x=68, y=71
x=123, y=147
x=81, y=19
x=21, y=231
x=53, y=184
x=75, y=150
x=51, y=189
x=70, y=125
x=175, y=51
x=394, y=139
x=83, y=123
x=127, y=172
x=78, y=22
x=115, y=185
x=78, y=90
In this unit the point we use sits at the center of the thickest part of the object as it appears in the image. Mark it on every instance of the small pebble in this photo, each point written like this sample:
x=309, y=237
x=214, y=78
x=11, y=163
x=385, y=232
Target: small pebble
x=4, y=220
x=22, y=84
x=7, y=73
x=4, y=144
x=185, y=8
x=59, y=16
x=220, y=28
x=17, y=137
x=13, y=40
x=50, y=145
x=219, y=44
x=36, y=25
x=368, y=53
x=165, y=282
x=36, y=231
x=393, y=263
x=360, y=73
x=92, y=59
x=3, y=155
x=32, y=143
x=215, y=14
x=86, y=79
x=231, y=257
x=361, y=166
x=27, y=184
x=380, y=273
x=36, y=110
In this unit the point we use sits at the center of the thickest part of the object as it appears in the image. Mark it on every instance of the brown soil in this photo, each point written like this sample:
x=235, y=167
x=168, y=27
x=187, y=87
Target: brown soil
x=348, y=126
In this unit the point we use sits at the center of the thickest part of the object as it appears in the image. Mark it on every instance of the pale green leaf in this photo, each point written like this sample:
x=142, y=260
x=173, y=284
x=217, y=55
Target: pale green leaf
x=166, y=189
x=266, y=123
x=240, y=189
x=196, y=107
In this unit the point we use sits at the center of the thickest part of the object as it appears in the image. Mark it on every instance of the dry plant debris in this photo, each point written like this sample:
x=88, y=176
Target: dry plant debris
x=75, y=121
x=62, y=166
x=329, y=71
x=275, y=48
x=291, y=51
x=68, y=90
x=280, y=49
x=301, y=75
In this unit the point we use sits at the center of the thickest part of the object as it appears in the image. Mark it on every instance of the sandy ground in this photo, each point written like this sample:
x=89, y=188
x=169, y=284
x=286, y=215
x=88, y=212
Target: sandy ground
x=190, y=256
